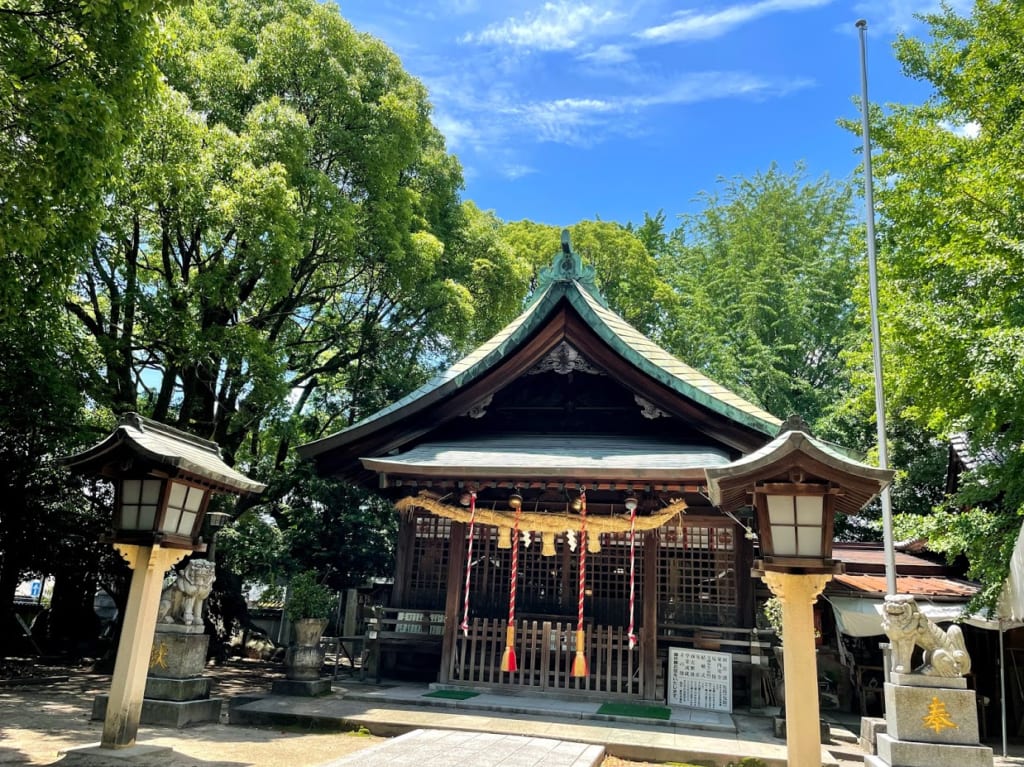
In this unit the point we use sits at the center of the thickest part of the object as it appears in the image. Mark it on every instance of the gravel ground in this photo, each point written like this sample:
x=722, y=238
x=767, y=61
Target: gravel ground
x=40, y=721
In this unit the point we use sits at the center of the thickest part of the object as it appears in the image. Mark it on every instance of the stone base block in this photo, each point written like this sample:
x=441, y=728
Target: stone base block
x=99, y=755
x=178, y=656
x=900, y=753
x=931, y=714
x=305, y=688
x=920, y=680
x=870, y=728
x=196, y=688
x=779, y=727
x=169, y=713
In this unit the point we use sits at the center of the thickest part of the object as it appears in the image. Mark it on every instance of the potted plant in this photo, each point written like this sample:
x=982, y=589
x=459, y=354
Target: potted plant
x=308, y=607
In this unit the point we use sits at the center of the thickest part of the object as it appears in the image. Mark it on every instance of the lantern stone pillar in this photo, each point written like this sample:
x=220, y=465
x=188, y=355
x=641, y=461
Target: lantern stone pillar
x=797, y=593
x=124, y=707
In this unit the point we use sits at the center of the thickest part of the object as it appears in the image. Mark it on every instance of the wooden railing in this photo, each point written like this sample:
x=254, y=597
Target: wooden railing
x=402, y=632
x=545, y=651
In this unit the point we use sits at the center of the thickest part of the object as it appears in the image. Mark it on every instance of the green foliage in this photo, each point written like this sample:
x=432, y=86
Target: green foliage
x=626, y=272
x=75, y=77
x=951, y=272
x=309, y=599
x=764, y=275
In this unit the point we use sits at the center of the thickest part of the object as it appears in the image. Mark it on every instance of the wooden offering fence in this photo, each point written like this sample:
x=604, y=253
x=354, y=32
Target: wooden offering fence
x=545, y=651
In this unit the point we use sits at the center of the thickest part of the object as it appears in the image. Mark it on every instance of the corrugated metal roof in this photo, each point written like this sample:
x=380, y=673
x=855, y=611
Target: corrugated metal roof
x=542, y=456
x=925, y=586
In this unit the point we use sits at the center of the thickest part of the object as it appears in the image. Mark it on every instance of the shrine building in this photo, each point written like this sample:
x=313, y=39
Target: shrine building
x=555, y=530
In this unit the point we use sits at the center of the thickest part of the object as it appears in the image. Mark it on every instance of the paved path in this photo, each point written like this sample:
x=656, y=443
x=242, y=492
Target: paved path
x=441, y=748
x=395, y=710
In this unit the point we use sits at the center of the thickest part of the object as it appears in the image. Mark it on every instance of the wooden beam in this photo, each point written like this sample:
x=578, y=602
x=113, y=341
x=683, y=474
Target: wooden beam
x=649, y=636
x=456, y=563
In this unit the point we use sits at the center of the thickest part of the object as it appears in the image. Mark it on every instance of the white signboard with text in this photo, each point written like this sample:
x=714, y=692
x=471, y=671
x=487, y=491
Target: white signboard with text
x=700, y=679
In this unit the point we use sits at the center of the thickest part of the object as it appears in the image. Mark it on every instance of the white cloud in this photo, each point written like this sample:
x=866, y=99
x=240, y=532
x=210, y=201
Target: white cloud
x=558, y=26
x=513, y=171
x=457, y=133
x=971, y=129
x=608, y=54
x=889, y=17
x=694, y=25
x=587, y=121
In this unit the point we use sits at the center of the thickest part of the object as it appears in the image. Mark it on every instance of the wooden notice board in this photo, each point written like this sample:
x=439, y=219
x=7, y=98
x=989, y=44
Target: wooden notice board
x=700, y=679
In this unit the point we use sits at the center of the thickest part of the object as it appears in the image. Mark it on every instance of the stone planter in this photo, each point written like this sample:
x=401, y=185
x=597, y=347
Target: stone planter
x=305, y=658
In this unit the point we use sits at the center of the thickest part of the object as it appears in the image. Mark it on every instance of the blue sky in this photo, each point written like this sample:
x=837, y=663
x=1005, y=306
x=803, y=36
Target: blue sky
x=563, y=110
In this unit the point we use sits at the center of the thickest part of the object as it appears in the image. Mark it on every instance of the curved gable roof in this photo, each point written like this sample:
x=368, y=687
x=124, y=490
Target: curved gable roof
x=566, y=280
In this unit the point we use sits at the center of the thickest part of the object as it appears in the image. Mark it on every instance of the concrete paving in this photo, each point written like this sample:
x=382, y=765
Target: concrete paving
x=440, y=748
x=400, y=709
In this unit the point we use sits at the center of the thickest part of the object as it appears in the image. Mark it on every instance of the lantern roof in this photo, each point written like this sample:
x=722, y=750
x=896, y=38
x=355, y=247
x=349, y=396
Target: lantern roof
x=139, y=442
x=794, y=455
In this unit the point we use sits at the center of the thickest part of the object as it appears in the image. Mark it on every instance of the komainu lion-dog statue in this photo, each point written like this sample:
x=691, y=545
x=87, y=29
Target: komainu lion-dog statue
x=945, y=654
x=182, y=601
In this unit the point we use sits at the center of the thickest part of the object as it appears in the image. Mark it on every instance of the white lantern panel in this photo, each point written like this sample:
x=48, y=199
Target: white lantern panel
x=130, y=491
x=809, y=541
x=151, y=492
x=780, y=510
x=784, y=540
x=194, y=500
x=147, y=517
x=808, y=509
x=176, y=498
x=188, y=519
x=171, y=519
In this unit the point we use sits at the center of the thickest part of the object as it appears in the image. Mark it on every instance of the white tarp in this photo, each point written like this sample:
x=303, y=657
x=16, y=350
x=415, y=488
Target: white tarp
x=862, y=617
x=1011, y=601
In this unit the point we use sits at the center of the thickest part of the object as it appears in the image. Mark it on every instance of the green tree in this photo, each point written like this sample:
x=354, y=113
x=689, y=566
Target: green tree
x=75, y=76
x=764, y=275
x=285, y=250
x=951, y=212
x=626, y=273
x=41, y=418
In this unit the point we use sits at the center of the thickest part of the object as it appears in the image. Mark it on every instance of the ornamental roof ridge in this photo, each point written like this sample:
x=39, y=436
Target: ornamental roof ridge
x=567, y=266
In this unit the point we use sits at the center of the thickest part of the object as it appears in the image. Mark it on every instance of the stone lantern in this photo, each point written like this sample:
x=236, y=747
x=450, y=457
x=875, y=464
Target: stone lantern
x=796, y=484
x=163, y=480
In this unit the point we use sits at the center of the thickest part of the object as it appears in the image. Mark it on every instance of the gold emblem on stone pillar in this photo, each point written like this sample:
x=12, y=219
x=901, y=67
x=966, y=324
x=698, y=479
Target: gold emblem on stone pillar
x=938, y=717
x=158, y=658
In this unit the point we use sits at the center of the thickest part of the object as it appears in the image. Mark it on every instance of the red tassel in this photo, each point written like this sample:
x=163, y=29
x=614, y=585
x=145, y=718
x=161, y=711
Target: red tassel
x=508, y=658
x=579, y=663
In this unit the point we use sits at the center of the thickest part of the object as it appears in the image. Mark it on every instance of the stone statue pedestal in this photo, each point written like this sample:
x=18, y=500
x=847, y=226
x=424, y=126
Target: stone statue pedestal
x=177, y=694
x=930, y=722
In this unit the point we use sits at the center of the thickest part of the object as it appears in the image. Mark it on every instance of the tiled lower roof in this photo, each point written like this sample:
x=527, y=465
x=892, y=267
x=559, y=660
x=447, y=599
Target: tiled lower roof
x=541, y=456
x=930, y=586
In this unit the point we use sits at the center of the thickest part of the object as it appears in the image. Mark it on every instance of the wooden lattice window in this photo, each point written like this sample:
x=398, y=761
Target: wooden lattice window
x=697, y=575
x=428, y=574
x=548, y=586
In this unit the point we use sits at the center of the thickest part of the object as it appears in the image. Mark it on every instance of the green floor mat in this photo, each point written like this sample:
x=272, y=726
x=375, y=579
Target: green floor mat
x=451, y=694
x=634, y=709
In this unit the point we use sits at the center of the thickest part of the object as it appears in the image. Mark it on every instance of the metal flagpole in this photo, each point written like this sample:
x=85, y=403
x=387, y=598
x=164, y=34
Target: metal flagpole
x=1003, y=687
x=876, y=340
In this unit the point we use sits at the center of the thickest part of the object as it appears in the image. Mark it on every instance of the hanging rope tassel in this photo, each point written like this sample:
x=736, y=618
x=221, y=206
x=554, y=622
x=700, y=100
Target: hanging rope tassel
x=469, y=564
x=632, y=576
x=508, y=658
x=579, y=663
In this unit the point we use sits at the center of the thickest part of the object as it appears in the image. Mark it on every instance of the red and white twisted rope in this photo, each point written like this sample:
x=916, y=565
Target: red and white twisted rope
x=469, y=564
x=582, y=543
x=632, y=576
x=515, y=570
